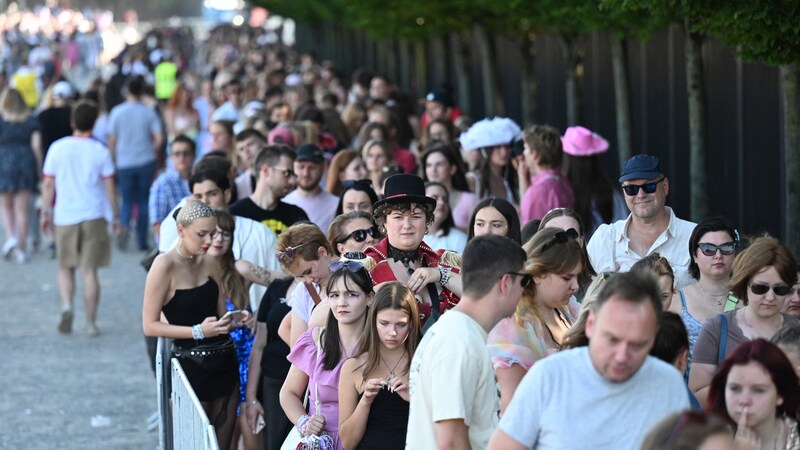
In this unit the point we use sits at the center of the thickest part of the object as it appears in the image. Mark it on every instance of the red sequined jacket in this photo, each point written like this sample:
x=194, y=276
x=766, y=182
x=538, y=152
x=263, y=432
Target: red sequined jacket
x=381, y=272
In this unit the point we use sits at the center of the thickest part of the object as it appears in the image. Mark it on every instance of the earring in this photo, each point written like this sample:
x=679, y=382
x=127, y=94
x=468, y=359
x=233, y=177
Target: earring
x=427, y=230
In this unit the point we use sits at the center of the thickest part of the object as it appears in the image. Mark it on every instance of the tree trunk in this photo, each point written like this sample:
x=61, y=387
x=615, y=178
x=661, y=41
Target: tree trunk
x=493, y=100
x=573, y=59
x=405, y=63
x=461, y=63
x=619, y=63
x=438, y=72
x=790, y=78
x=528, y=51
x=418, y=87
x=698, y=199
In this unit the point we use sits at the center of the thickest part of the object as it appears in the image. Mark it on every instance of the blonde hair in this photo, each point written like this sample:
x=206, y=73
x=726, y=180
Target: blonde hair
x=301, y=240
x=13, y=105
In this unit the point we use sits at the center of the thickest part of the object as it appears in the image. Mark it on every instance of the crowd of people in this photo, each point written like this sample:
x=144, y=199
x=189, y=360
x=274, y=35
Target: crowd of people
x=338, y=271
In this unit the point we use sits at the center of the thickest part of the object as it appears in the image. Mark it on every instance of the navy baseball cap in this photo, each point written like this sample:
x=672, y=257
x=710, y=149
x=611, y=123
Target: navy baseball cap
x=641, y=167
x=309, y=152
x=439, y=96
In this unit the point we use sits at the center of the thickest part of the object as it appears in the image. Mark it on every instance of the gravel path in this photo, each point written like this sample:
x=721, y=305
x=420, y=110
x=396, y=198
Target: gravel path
x=52, y=385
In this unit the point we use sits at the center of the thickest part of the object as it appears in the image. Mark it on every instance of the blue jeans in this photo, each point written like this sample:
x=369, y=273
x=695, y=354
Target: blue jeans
x=134, y=185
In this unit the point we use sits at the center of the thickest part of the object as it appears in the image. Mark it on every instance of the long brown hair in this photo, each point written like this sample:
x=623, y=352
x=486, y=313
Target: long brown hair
x=233, y=284
x=397, y=296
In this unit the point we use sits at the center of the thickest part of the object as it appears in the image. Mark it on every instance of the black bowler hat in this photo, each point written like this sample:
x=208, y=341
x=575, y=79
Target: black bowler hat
x=404, y=188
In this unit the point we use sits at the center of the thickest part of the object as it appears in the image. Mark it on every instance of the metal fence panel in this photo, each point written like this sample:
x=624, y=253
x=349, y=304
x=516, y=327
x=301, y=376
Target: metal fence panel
x=190, y=425
x=163, y=383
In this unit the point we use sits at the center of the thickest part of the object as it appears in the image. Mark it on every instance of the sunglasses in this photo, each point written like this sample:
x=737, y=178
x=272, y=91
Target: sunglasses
x=287, y=255
x=525, y=281
x=780, y=289
x=648, y=188
x=349, y=184
x=361, y=235
x=560, y=238
x=709, y=249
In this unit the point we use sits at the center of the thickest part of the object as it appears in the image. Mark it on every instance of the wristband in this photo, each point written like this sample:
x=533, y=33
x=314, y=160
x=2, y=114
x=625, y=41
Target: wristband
x=197, y=332
x=444, y=275
x=302, y=424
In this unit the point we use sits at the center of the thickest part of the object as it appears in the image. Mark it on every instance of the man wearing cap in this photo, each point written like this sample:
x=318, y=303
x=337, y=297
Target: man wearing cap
x=438, y=104
x=319, y=204
x=54, y=122
x=651, y=227
x=275, y=177
x=548, y=188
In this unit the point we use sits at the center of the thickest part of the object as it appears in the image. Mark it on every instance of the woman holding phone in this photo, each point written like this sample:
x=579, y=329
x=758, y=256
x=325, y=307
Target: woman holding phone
x=183, y=284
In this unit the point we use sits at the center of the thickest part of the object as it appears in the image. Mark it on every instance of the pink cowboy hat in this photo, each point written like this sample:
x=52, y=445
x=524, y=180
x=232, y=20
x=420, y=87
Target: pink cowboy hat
x=580, y=141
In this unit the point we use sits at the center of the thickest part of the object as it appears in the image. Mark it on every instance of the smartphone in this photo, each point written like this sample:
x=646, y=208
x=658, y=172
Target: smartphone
x=259, y=424
x=235, y=312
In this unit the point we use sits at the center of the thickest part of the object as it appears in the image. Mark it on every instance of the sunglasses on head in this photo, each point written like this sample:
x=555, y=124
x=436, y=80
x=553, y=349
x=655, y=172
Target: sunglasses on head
x=561, y=237
x=524, y=281
x=287, y=255
x=761, y=289
x=709, y=249
x=361, y=235
x=352, y=266
x=648, y=188
x=349, y=184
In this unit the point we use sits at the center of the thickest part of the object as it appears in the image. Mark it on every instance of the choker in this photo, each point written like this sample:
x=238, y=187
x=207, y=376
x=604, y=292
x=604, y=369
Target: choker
x=406, y=257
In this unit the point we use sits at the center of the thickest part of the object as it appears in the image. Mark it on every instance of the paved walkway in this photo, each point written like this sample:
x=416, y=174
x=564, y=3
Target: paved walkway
x=52, y=385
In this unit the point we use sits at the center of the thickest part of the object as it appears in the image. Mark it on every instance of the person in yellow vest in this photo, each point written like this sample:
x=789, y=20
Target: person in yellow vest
x=166, y=76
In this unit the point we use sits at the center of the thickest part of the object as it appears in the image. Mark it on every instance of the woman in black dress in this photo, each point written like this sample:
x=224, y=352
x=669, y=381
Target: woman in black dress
x=180, y=285
x=373, y=387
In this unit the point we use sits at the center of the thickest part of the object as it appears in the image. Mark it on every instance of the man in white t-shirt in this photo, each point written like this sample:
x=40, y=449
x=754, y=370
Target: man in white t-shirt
x=81, y=170
x=604, y=396
x=319, y=204
x=454, y=402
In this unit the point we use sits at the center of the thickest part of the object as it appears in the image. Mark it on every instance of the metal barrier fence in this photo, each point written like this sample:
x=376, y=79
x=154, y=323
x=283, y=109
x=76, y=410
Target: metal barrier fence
x=183, y=422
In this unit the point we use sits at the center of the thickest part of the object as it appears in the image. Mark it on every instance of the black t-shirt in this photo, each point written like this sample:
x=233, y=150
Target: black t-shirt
x=54, y=124
x=272, y=310
x=282, y=217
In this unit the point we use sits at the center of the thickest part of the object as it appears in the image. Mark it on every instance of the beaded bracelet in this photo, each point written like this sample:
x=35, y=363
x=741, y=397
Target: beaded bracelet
x=197, y=332
x=302, y=424
x=444, y=275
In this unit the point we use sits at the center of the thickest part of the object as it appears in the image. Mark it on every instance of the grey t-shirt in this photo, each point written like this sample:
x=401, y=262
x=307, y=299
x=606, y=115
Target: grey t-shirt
x=134, y=125
x=564, y=403
x=706, y=350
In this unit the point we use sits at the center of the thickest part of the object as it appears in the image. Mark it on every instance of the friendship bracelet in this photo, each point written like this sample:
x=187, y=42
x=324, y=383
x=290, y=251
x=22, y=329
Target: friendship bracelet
x=197, y=332
x=444, y=275
x=302, y=424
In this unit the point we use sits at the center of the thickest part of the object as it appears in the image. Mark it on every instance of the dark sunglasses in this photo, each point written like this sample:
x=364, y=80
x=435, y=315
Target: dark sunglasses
x=648, y=188
x=561, y=237
x=524, y=281
x=287, y=255
x=361, y=235
x=709, y=249
x=288, y=173
x=780, y=289
x=349, y=184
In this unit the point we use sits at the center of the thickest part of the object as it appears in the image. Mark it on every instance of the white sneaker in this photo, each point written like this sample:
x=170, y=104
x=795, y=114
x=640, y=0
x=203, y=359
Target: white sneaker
x=9, y=246
x=22, y=256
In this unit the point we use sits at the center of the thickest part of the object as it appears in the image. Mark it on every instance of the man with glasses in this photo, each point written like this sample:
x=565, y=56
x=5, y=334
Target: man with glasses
x=171, y=186
x=319, y=204
x=275, y=177
x=612, y=387
x=454, y=402
x=651, y=227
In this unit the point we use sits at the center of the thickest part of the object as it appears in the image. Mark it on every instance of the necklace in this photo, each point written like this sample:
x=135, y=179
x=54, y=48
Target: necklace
x=392, y=375
x=716, y=297
x=752, y=329
x=190, y=260
x=404, y=256
x=344, y=349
